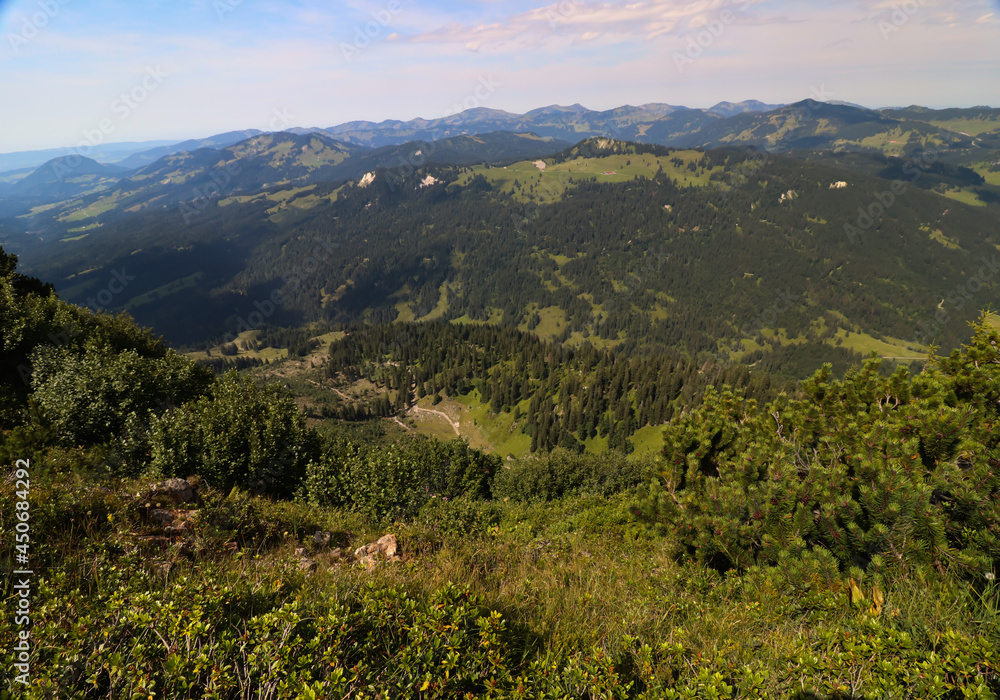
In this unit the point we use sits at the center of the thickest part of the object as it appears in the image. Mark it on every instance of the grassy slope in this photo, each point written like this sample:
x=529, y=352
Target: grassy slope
x=572, y=581
x=551, y=182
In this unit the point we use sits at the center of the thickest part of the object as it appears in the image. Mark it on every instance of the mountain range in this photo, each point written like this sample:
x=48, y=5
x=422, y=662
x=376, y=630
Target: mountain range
x=762, y=236
x=654, y=123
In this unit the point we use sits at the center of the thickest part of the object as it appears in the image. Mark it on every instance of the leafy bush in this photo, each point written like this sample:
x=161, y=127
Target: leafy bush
x=460, y=517
x=229, y=637
x=89, y=396
x=241, y=435
x=565, y=473
x=88, y=371
x=395, y=481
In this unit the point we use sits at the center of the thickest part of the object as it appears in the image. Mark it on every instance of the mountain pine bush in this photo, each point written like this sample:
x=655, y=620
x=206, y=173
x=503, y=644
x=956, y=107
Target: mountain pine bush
x=871, y=473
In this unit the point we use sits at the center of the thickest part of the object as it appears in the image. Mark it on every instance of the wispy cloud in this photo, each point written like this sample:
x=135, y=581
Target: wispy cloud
x=578, y=20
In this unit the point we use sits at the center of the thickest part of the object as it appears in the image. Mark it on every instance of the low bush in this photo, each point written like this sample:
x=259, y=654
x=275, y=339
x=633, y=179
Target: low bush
x=242, y=435
x=565, y=473
x=879, y=474
x=395, y=481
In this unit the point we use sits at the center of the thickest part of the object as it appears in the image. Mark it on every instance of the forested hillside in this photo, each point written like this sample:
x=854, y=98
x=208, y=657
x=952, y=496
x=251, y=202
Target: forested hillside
x=719, y=254
x=834, y=541
x=557, y=395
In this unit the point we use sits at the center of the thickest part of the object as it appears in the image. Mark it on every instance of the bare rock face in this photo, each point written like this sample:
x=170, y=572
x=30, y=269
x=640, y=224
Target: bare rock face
x=321, y=538
x=385, y=548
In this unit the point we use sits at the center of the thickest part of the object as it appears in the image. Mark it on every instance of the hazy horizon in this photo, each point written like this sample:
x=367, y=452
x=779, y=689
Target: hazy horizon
x=124, y=72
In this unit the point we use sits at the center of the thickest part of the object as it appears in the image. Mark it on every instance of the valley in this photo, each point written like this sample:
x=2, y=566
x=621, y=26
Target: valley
x=562, y=350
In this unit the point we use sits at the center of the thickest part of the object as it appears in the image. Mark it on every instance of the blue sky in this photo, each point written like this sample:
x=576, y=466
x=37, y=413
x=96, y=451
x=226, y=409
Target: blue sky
x=157, y=69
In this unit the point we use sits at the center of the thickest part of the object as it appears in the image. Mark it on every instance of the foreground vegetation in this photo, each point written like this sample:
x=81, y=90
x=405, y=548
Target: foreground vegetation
x=838, y=542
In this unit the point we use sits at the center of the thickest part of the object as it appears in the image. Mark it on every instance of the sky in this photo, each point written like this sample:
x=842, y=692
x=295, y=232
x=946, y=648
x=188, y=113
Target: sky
x=104, y=71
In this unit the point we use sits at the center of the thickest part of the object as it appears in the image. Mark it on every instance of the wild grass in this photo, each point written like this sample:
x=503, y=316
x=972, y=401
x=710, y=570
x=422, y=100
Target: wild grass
x=574, y=580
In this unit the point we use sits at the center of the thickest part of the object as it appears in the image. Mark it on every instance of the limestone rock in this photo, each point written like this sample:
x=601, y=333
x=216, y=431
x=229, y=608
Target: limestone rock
x=389, y=545
x=161, y=517
x=177, y=490
x=386, y=548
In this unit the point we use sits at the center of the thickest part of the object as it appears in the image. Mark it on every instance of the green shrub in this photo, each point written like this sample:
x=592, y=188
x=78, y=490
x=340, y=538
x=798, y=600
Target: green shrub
x=459, y=517
x=565, y=473
x=394, y=482
x=87, y=397
x=881, y=472
x=242, y=435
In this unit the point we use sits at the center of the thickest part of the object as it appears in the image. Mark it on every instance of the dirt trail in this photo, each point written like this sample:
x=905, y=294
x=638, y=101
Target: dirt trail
x=454, y=424
x=335, y=390
x=402, y=425
x=418, y=409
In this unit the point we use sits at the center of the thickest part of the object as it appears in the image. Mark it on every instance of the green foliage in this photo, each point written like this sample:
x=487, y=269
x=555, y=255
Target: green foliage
x=572, y=395
x=638, y=261
x=582, y=611
x=241, y=435
x=880, y=472
x=565, y=473
x=88, y=396
x=87, y=374
x=461, y=517
x=395, y=481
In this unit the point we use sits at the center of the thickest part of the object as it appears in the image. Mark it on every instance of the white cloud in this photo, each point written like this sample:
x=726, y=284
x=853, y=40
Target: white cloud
x=580, y=20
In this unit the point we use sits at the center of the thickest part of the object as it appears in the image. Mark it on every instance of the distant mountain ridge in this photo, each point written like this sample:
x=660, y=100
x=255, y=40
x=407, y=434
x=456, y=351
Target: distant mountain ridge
x=106, y=153
x=775, y=127
x=725, y=123
x=63, y=177
x=70, y=194
x=138, y=160
x=182, y=172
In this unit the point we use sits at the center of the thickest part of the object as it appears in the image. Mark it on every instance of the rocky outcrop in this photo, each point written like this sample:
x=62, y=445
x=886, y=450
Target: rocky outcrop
x=176, y=491
x=305, y=563
x=386, y=548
